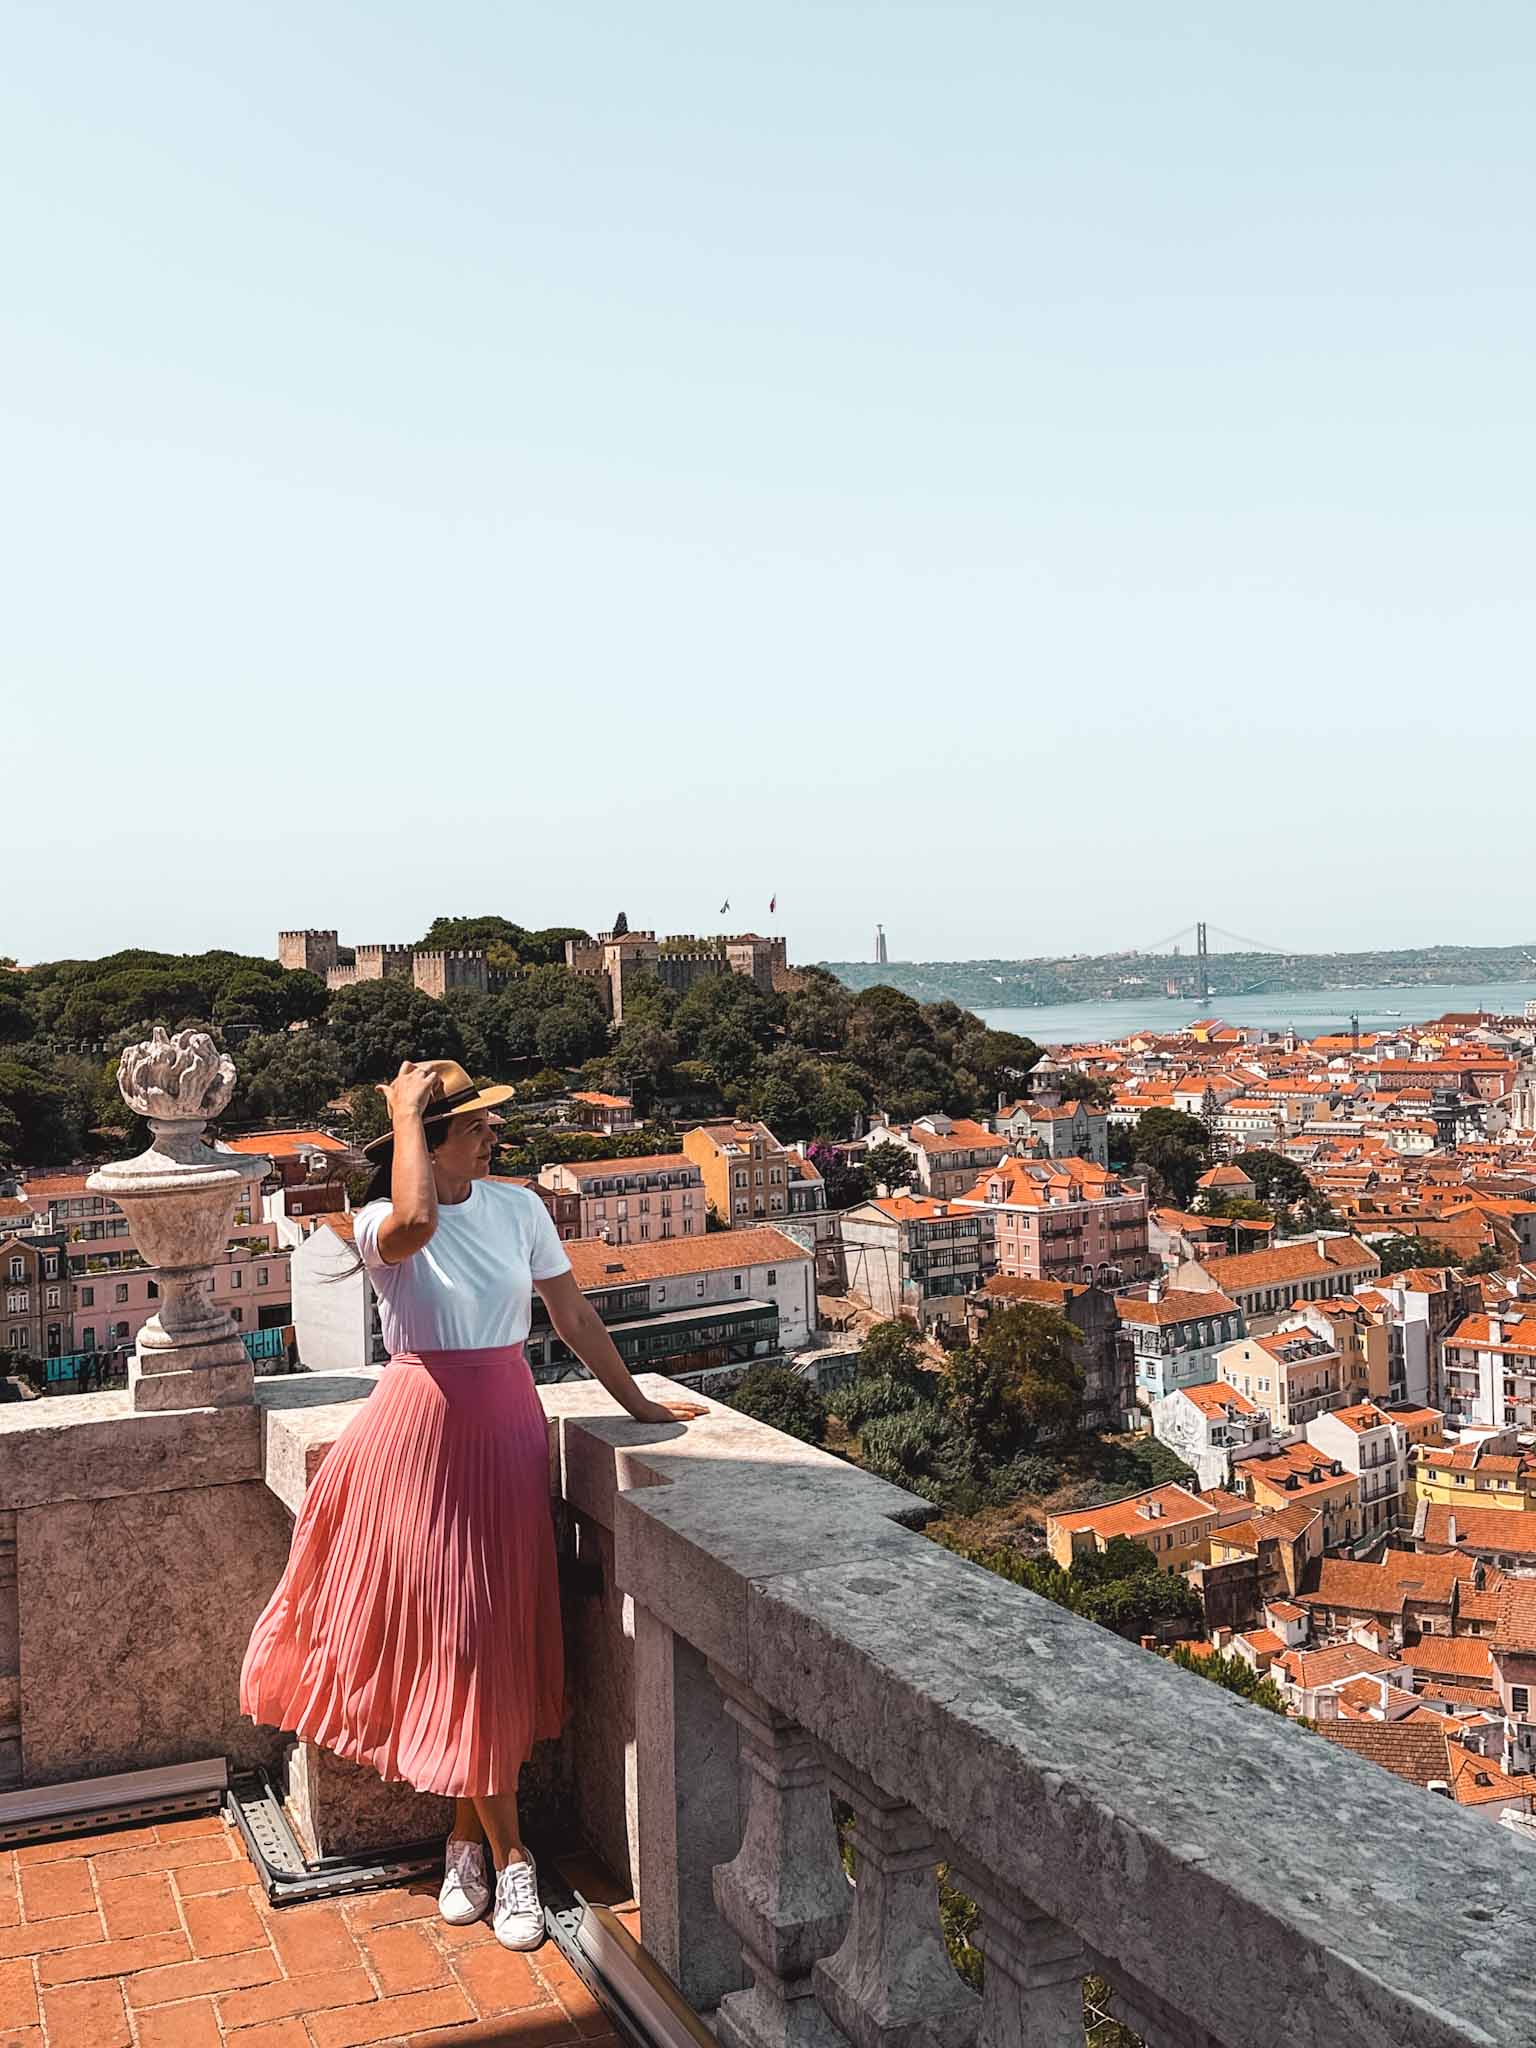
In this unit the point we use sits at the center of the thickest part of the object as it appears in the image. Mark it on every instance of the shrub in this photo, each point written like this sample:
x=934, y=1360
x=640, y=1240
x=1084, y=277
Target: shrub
x=779, y=1397
x=874, y=1395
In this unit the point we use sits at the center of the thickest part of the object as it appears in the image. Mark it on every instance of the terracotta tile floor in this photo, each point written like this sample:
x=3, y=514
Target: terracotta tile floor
x=161, y=1937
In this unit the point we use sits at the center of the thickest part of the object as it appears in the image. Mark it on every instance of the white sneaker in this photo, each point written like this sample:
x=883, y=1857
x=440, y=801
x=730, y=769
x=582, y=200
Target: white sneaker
x=466, y=1889
x=518, y=1921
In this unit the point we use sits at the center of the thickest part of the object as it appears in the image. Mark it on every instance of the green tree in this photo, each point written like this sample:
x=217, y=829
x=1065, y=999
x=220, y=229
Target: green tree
x=1173, y=1148
x=1020, y=1384
x=1093, y=1091
x=1277, y=1180
x=367, y=1115
x=568, y=1035
x=1489, y=1260
x=1400, y=1252
x=891, y=1166
x=377, y=1024
x=1233, y=1675
x=285, y=1074
x=779, y=1397
x=893, y=1348
x=39, y=1123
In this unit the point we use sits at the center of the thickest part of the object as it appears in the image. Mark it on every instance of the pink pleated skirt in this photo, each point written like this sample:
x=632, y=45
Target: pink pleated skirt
x=416, y=1628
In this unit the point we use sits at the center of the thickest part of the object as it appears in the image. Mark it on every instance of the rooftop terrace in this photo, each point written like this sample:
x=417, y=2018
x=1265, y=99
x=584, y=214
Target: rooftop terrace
x=753, y=1627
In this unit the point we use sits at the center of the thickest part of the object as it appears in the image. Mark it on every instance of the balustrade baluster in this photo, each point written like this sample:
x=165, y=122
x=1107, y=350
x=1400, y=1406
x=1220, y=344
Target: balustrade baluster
x=1032, y=1990
x=891, y=1984
x=785, y=1894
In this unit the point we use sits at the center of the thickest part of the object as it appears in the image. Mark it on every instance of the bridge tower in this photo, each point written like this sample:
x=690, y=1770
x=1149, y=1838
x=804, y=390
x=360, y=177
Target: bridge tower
x=1203, y=956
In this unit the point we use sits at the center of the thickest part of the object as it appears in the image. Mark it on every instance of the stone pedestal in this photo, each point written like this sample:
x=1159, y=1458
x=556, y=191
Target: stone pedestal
x=179, y=1198
x=785, y=1894
x=340, y=1809
x=891, y=1984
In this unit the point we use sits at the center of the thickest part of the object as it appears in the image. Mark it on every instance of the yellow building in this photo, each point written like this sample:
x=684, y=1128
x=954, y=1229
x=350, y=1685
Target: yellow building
x=1300, y=1475
x=1490, y=1473
x=1174, y=1524
x=745, y=1170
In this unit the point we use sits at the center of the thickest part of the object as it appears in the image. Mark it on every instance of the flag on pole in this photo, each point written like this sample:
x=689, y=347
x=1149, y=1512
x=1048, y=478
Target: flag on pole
x=725, y=906
x=773, y=904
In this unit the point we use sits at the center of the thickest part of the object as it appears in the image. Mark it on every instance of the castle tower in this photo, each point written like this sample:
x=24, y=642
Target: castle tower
x=311, y=952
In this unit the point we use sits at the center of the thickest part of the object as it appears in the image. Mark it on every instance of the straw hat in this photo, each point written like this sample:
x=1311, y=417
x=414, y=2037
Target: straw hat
x=456, y=1095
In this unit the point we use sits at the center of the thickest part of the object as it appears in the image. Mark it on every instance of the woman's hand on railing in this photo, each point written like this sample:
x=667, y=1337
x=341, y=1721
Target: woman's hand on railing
x=669, y=1411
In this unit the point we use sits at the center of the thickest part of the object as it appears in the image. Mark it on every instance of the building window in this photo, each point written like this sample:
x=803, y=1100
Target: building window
x=120, y=1329
x=16, y=1304
x=120, y=1292
x=1520, y=1700
x=699, y=1287
x=238, y=1314
x=18, y=1270
x=740, y=1179
x=741, y=1208
x=88, y=1338
x=261, y=1276
x=737, y=1282
x=236, y=1277
x=51, y=1266
x=87, y=1297
x=773, y=1276
x=50, y=1297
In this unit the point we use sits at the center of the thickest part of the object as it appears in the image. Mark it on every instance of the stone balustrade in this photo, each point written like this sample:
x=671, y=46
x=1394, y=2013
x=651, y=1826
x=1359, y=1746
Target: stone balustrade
x=756, y=1629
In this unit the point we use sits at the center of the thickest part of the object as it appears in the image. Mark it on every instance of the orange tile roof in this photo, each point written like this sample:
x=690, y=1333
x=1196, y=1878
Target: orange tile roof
x=1515, y=1629
x=1493, y=1529
x=1124, y=1518
x=1411, y=1749
x=1014, y=1287
x=965, y=1136
x=1463, y=1658
x=1478, y=1780
x=595, y=1098
x=1178, y=1305
x=1214, y=1398
x=1517, y=1332
x=599, y=1265
x=1283, y=1265
x=1309, y=1668
x=919, y=1209
x=280, y=1144
x=644, y=1162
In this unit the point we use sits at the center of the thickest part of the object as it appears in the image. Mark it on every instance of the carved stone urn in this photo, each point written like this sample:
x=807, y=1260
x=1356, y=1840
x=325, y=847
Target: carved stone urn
x=179, y=1198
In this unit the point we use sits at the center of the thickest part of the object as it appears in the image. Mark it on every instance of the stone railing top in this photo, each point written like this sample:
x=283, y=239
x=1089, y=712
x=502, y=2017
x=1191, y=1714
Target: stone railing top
x=1254, y=1878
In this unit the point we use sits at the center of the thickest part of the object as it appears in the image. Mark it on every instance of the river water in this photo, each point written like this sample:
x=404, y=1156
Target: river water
x=1311, y=1012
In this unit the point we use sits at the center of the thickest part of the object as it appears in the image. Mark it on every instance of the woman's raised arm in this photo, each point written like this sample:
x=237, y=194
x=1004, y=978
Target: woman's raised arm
x=412, y=1190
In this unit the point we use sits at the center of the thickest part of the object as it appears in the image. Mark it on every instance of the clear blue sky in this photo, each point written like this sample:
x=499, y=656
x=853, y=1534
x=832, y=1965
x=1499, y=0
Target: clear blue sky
x=1031, y=474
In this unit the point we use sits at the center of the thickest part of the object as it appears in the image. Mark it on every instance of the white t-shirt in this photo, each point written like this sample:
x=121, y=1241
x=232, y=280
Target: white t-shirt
x=470, y=1287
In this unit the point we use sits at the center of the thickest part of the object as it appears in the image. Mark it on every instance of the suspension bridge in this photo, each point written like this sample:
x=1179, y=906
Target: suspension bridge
x=1199, y=941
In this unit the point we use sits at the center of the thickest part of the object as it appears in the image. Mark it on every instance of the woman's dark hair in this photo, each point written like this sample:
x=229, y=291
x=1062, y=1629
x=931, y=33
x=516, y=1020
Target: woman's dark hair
x=378, y=1187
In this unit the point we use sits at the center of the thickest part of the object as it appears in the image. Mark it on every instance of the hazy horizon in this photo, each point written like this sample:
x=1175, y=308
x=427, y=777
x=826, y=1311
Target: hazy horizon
x=1030, y=477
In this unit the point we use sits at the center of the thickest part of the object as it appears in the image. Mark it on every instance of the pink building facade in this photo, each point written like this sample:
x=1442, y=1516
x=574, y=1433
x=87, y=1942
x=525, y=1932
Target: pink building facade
x=1064, y=1220
x=633, y=1201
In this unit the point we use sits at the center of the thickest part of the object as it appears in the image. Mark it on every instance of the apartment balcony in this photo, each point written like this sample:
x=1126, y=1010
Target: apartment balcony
x=755, y=1629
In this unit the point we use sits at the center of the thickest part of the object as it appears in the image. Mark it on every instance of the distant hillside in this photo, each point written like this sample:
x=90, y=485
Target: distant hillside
x=1104, y=977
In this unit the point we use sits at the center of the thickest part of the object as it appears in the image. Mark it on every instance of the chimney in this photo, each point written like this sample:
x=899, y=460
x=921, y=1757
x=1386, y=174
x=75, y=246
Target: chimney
x=1155, y=1291
x=1450, y=1527
x=1220, y=1637
x=1327, y=1707
x=1440, y=1785
x=1148, y=1642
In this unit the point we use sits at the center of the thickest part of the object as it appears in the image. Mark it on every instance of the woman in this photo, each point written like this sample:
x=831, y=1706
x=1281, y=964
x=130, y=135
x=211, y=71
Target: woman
x=416, y=1628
